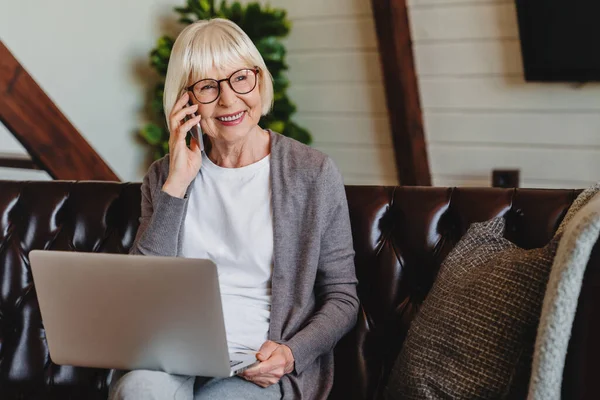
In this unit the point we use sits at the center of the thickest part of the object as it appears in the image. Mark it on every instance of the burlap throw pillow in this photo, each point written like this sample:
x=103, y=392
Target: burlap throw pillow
x=474, y=335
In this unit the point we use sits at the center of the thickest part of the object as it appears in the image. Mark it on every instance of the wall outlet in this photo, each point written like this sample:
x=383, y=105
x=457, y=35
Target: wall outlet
x=505, y=178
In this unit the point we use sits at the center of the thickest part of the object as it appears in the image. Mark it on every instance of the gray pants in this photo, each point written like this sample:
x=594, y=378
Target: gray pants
x=155, y=385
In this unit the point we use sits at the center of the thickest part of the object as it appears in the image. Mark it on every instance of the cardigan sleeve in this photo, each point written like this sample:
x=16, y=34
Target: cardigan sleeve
x=160, y=220
x=335, y=283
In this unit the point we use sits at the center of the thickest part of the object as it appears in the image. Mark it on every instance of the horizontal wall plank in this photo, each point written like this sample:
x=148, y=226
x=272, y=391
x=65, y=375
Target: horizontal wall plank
x=569, y=129
x=563, y=165
x=552, y=184
x=499, y=57
x=334, y=97
x=351, y=66
x=464, y=22
x=322, y=9
x=481, y=181
x=369, y=180
x=13, y=174
x=354, y=33
x=447, y=3
x=348, y=129
x=460, y=181
x=377, y=162
x=506, y=94
x=318, y=8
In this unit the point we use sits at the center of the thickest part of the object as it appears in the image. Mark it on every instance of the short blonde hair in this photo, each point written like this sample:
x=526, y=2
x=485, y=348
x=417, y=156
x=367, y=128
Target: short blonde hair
x=207, y=44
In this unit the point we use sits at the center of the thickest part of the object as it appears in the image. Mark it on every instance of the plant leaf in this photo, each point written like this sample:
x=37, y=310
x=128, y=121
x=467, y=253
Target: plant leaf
x=152, y=133
x=277, y=126
x=236, y=13
x=183, y=10
x=271, y=49
x=165, y=147
x=280, y=85
x=296, y=132
x=202, y=8
x=283, y=108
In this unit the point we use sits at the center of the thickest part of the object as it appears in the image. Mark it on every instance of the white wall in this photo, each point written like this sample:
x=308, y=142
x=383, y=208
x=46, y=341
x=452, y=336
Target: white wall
x=337, y=86
x=479, y=112
x=91, y=58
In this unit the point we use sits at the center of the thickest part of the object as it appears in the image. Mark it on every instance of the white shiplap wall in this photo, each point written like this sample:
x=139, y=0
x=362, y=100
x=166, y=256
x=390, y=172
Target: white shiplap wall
x=479, y=112
x=336, y=84
x=334, y=72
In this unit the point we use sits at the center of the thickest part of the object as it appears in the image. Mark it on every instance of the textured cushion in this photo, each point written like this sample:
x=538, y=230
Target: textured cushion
x=580, y=230
x=474, y=335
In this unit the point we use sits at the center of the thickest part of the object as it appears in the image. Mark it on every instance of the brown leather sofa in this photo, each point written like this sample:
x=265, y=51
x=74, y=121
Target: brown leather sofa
x=401, y=236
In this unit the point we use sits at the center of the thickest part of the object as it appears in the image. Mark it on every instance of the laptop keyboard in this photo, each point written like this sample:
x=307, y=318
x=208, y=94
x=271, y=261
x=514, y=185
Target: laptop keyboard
x=233, y=363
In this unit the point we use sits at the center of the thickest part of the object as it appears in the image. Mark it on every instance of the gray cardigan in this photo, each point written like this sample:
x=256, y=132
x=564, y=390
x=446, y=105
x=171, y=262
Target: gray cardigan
x=314, y=301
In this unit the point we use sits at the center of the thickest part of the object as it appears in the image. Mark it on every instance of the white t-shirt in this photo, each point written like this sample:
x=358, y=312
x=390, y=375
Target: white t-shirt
x=229, y=220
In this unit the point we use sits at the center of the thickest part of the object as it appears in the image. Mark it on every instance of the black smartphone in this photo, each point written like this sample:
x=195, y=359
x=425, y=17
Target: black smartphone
x=196, y=130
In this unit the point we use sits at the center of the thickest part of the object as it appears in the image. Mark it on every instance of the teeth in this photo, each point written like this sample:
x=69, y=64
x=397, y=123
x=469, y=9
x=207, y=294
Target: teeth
x=232, y=118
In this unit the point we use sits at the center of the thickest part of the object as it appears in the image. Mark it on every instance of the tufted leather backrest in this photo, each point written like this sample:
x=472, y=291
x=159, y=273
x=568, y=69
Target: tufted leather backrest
x=87, y=216
x=401, y=235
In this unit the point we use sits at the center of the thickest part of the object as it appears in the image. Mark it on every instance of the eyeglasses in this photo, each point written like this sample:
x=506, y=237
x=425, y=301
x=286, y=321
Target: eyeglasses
x=208, y=90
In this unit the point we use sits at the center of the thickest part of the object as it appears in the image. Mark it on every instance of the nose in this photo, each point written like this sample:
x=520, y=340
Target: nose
x=228, y=96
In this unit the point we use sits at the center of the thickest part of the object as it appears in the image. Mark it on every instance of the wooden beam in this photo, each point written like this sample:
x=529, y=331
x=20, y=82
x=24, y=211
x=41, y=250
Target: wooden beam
x=20, y=161
x=402, y=91
x=52, y=141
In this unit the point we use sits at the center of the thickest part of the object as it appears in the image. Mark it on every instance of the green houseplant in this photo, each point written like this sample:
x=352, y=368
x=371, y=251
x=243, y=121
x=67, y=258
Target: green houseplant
x=265, y=26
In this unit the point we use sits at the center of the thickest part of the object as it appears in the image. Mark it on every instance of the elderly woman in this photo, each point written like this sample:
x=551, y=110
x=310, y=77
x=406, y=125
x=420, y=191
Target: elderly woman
x=269, y=211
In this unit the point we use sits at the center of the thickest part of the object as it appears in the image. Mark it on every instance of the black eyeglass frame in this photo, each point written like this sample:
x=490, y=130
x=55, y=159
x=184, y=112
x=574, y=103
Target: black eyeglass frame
x=256, y=71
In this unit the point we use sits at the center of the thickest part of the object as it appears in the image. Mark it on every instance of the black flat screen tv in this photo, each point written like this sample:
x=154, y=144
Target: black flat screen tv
x=560, y=39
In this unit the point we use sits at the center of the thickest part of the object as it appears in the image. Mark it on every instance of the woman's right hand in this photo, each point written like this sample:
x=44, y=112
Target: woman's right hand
x=184, y=162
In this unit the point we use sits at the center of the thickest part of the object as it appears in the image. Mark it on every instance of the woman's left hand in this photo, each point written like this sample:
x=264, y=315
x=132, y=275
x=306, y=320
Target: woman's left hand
x=275, y=359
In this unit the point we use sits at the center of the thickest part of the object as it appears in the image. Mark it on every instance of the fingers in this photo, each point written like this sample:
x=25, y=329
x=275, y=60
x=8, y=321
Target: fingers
x=179, y=134
x=179, y=104
x=183, y=100
x=268, y=367
x=183, y=129
x=180, y=110
x=272, y=363
x=265, y=380
x=180, y=114
x=272, y=367
x=252, y=371
x=266, y=350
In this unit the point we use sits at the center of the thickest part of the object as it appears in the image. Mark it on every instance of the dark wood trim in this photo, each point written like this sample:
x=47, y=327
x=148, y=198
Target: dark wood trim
x=36, y=122
x=8, y=160
x=402, y=91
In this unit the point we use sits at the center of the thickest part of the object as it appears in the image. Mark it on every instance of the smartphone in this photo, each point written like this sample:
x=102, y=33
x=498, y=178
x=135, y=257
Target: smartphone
x=196, y=130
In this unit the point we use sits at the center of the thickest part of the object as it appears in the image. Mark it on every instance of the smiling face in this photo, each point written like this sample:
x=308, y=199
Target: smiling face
x=232, y=116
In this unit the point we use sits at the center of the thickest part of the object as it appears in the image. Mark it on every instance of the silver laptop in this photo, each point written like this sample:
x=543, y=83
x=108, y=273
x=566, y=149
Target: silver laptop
x=134, y=312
